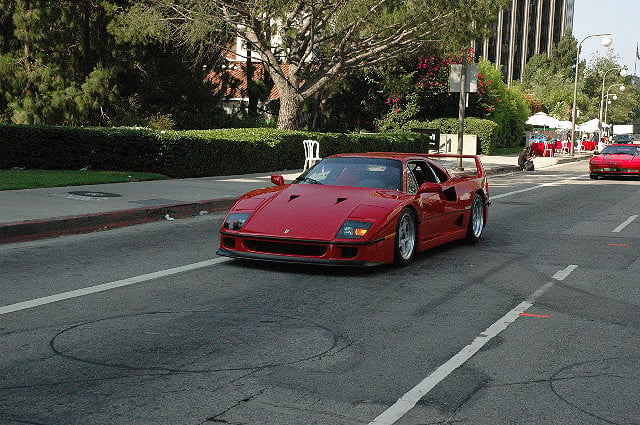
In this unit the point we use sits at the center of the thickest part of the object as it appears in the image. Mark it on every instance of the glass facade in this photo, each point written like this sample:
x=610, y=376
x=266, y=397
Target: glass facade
x=524, y=29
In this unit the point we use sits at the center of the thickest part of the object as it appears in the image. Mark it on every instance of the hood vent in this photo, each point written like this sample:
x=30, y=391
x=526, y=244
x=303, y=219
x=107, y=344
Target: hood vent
x=292, y=197
x=340, y=200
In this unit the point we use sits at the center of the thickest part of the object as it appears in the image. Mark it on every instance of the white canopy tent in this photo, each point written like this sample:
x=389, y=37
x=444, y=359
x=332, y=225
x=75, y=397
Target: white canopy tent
x=540, y=119
x=590, y=126
x=566, y=125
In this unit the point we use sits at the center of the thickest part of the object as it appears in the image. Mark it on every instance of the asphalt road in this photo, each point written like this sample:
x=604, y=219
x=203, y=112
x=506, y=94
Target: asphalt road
x=538, y=324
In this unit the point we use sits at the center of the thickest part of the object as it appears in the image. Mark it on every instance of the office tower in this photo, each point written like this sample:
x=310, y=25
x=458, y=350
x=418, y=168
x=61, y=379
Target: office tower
x=523, y=29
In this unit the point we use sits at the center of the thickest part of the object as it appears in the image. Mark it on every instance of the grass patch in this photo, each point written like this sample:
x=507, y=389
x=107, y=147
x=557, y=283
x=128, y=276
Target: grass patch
x=31, y=179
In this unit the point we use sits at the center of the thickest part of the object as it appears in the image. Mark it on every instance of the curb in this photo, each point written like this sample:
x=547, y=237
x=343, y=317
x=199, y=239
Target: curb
x=23, y=231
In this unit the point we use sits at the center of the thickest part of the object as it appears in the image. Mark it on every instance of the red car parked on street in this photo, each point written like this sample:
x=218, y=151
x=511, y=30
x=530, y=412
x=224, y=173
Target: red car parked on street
x=621, y=159
x=360, y=209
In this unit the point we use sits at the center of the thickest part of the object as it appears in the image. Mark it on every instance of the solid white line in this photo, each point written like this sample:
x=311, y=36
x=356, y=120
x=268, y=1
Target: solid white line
x=625, y=224
x=408, y=401
x=515, y=192
x=107, y=286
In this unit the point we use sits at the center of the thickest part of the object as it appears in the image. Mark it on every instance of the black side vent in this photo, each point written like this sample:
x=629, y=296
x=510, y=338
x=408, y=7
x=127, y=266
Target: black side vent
x=450, y=194
x=340, y=200
x=292, y=197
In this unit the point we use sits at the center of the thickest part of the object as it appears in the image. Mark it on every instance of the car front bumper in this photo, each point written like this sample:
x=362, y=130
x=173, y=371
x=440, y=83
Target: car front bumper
x=378, y=251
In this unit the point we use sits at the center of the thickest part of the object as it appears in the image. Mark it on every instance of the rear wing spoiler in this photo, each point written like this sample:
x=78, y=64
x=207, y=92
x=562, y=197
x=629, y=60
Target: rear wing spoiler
x=470, y=163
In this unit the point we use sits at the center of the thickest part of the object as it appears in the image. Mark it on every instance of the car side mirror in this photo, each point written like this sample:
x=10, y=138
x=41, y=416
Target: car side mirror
x=596, y=152
x=277, y=179
x=429, y=187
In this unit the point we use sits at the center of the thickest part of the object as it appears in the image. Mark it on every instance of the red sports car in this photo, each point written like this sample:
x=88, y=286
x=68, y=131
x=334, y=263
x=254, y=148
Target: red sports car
x=359, y=209
x=616, y=160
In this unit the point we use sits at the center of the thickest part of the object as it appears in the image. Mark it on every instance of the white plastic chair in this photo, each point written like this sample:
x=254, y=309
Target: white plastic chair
x=578, y=147
x=548, y=148
x=565, y=146
x=311, y=153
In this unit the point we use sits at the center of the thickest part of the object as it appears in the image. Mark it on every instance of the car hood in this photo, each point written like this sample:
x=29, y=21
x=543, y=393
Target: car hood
x=615, y=158
x=315, y=212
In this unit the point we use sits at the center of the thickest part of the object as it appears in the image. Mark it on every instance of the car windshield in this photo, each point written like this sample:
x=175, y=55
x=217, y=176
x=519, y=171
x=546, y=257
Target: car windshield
x=622, y=138
x=377, y=173
x=620, y=150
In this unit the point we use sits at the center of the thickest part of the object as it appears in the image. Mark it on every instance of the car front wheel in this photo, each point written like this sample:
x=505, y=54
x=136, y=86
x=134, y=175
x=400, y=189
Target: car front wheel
x=476, y=219
x=405, y=246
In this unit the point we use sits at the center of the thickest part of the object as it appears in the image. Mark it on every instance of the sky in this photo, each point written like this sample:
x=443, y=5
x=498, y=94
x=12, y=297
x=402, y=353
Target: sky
x=621, y=18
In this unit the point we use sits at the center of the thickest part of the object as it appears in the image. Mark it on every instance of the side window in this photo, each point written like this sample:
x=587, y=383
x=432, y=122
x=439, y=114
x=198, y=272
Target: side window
x=422, y=172
x=440, y=175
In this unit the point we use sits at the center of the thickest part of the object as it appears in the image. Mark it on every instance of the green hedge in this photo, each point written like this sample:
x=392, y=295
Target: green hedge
x=486, y=130
x=182, y=153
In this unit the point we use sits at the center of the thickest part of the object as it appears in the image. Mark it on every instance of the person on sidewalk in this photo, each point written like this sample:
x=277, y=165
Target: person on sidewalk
x=525, y=160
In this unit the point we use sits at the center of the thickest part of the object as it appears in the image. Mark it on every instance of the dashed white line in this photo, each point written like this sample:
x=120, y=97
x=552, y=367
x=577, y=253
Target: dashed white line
x=515, y=192
x=408, y=401
x=621, y=227
x=107, y=286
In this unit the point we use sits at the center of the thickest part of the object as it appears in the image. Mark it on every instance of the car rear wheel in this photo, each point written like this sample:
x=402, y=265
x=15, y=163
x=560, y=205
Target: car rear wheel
x=593, y=176
x=405, y=246
x=476, y=219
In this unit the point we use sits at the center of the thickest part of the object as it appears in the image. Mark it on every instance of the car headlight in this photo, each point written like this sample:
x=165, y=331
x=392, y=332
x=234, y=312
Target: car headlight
x=235, y=221
x=352, y=229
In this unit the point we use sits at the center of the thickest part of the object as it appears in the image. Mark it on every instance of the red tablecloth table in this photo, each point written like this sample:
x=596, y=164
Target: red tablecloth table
x=543, y=149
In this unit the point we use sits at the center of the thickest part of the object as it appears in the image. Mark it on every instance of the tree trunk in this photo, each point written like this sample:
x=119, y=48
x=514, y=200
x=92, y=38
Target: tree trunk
x=86, y=39
x=290, y=115
x=26, y=6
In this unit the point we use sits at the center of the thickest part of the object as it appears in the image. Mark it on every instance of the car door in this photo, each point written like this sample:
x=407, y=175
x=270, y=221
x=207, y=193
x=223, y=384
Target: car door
x=432, y=206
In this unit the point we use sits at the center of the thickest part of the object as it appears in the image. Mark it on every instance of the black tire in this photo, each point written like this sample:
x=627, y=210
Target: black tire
x=406, y=237
x=476, y=219
x=593, y=176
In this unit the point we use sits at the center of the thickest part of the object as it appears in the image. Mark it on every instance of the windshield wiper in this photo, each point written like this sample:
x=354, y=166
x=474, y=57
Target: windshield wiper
x=310, y=180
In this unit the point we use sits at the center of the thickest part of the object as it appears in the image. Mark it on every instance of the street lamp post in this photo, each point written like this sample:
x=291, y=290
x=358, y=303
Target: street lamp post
x=621, y=87
x=606, y=108
x=613, y=96
x=606, y=41
x=623, y=73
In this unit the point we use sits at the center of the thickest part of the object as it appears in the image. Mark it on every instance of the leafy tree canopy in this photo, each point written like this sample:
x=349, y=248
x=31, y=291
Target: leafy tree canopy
x=307, y=45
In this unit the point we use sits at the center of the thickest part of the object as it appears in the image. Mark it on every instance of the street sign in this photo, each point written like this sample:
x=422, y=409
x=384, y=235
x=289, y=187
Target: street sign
x=433, y=136
x=471, y=78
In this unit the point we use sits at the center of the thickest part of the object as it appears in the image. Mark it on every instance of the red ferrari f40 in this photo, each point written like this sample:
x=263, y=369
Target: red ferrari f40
x=360, y=209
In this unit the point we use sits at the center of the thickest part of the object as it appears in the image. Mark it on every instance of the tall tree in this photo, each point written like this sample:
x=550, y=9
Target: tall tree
x=549, y=79
x=53, y=58
x=605, y=70
x=307, y=44
x=65, y=63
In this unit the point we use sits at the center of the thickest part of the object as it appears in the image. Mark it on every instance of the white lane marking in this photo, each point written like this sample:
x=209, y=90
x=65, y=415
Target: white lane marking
x=411, y=398
x=515, y=192
x=562, y=274
x=107, y=286
x=625, y=224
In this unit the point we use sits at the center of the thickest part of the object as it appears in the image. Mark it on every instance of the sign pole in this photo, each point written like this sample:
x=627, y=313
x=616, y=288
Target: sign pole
x=462, y=107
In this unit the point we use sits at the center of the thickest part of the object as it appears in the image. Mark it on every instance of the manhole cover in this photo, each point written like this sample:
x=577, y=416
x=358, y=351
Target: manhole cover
x=194, y=341
x=606, y=389
x=90, y=194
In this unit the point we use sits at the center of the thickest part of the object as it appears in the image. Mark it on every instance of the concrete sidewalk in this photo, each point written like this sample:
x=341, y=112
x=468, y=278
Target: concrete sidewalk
x=42, y=213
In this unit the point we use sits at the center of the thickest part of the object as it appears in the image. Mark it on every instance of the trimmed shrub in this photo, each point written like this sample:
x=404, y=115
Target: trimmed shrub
x=194, y=153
